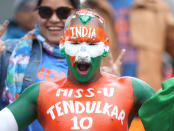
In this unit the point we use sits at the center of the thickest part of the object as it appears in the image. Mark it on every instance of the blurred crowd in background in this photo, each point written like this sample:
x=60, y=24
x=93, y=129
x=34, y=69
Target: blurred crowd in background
x=145, y=28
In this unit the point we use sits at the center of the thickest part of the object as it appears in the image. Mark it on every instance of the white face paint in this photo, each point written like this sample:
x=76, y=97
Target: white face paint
x=82, y=1
x=85, y=50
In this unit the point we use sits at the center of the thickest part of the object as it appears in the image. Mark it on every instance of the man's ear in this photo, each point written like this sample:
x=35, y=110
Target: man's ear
x=106, y=49
x=107, y=42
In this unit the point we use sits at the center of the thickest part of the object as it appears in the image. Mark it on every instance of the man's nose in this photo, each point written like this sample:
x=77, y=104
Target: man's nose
x=83, y=49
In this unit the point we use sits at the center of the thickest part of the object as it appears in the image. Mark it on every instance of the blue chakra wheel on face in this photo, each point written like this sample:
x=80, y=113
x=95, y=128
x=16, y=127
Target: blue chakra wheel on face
x=83, y=49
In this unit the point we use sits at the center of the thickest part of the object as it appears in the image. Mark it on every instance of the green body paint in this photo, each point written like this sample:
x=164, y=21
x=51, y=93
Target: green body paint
x=23, y=108
x=141, y=92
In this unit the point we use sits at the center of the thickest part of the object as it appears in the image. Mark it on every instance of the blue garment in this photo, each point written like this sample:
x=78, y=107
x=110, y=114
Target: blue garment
x=51, y=68
x=117, y=4
x=13, y=31
x=34, y=126
x=19, y=61
x=121, y=14
x=32, y=70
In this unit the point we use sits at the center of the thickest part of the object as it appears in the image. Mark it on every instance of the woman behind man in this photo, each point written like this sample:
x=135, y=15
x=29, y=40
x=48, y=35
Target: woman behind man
x=36, y=57
x=23, y=20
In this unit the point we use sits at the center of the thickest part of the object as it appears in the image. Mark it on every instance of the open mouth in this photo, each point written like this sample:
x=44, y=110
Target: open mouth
x=83, y=68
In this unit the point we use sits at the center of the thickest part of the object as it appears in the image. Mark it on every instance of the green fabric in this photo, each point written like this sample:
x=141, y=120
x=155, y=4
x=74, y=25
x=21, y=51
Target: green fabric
x=23, y=108
x=157, y=114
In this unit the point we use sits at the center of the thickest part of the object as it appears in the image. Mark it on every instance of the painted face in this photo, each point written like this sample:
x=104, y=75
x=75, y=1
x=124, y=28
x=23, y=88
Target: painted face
x=84, y=46
x=52, y=28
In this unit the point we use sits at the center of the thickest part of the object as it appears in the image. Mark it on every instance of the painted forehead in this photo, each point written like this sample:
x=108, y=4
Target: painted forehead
x=85, y=26
x=86, y=17
x=89, y=14
x=84, y=33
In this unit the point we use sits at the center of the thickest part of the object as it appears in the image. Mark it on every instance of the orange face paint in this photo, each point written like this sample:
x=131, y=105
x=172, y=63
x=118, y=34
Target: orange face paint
x=84, y=33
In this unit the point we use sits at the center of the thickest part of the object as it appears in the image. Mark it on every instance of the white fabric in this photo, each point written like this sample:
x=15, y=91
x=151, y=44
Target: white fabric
x=7, y=121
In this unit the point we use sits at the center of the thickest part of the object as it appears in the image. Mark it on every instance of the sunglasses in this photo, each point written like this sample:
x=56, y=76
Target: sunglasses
x=46, y=12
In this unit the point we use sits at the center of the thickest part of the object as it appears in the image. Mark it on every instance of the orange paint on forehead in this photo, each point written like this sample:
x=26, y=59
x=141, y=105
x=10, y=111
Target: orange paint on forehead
x=86, y=33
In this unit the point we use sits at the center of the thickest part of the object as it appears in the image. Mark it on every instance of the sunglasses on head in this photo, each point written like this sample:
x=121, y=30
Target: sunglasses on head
x=46, y=12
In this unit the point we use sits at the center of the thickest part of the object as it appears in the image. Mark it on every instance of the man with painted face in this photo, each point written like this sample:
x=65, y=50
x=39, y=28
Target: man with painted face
x=87, y=99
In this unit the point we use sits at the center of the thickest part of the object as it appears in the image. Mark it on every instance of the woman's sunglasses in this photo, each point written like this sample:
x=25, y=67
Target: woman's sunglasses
x=46, y=12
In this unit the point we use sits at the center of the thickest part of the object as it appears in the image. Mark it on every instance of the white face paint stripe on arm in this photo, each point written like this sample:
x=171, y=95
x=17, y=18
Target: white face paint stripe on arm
x=7, y=121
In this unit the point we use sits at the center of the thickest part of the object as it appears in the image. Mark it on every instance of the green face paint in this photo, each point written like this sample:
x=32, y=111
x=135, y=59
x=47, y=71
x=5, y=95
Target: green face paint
x=95, y=63
x=84, y=50
x=95, y=58
x=84, y=19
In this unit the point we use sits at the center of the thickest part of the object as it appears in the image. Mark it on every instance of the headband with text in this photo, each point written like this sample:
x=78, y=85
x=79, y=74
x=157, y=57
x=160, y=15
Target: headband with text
x=84, y=33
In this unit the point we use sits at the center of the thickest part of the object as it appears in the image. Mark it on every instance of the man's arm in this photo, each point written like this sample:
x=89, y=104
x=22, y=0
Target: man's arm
x=141, y=92
x=21, y=112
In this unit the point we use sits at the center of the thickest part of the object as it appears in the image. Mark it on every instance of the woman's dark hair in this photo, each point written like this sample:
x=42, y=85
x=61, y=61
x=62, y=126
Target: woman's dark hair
x=74, y=3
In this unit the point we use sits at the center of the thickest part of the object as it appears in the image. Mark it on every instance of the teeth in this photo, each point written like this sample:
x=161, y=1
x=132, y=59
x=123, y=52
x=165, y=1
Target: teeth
x=55, y=28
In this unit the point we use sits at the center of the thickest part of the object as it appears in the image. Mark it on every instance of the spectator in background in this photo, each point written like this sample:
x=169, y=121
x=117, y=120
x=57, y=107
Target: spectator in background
x=145, y=28
x=24, y=19
x=171, y=5
x=144, y=38
x=121, y=14
x=35, y=57
x=168, y=64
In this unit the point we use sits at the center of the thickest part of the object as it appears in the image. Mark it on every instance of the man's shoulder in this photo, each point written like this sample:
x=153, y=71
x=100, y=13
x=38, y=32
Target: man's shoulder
x=48, y=85
x=125, y=79
x=134, y=80
x=109, y=75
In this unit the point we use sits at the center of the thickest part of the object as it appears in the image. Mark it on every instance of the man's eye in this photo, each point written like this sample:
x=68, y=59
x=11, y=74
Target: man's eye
x=92, y=44
x=75, y=43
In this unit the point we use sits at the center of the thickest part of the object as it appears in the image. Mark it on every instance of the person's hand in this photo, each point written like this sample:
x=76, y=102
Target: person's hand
x=2, y=30
x=115, y=67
